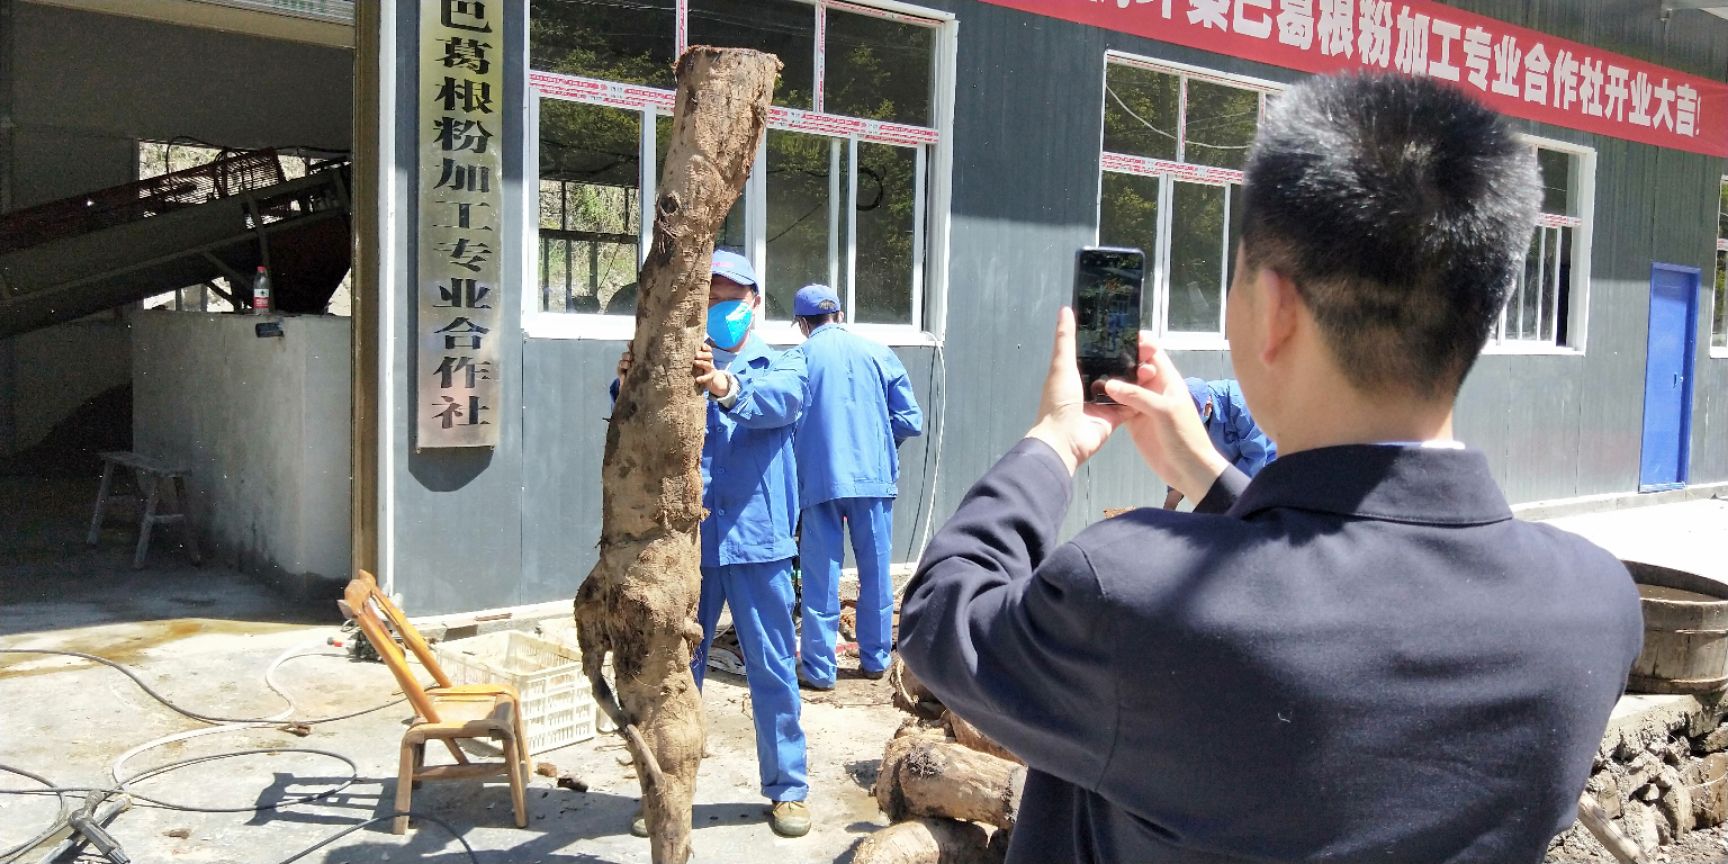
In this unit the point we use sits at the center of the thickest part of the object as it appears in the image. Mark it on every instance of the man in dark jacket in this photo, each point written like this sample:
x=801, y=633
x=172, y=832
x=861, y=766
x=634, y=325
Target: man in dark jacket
x=1361, y=656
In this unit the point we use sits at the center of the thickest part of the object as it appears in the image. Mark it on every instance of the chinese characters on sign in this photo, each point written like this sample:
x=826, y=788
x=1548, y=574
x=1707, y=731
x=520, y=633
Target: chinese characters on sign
x=458, y=292
x=1520, y=72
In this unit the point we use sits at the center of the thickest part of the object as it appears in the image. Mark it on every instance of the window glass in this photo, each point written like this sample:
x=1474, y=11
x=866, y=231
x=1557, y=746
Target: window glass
x=1539, y=303
x=1196, y=258
x=1141, y=111
x=1563, y=297
x=1234, y=239
x=797, y=219
x=1719, y=318
x=1552, y=278
x=803, y=245
x=590, y=211
x=878, y=68
x=783, y=28
x=631, y=41
x=1128, y=218
x=1722, y=212
x=883, y=293
x=1719, y=332
x=1220, y=124
x=1556, y=169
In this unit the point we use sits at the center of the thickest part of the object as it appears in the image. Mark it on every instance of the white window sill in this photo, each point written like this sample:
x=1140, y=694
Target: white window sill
x=1194, y=342
x=1719, y=353
x=1532, y=348
x=621, y=328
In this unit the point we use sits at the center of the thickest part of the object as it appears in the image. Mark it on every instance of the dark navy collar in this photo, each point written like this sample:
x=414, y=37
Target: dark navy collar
x=1400, y=484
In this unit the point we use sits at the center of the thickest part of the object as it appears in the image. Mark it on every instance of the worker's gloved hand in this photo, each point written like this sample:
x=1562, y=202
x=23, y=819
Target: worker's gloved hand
x=715, y=381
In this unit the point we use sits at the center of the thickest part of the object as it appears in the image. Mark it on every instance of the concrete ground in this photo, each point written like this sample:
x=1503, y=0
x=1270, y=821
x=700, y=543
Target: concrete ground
x=205, y=636
x=1691, y=535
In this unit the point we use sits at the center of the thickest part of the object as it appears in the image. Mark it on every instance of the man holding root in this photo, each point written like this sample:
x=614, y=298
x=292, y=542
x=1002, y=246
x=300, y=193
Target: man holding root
x=1359, y=656
x=750, y=489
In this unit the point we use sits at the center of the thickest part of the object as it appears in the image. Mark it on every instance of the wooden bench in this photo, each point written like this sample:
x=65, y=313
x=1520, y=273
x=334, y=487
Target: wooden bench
x=149, y=479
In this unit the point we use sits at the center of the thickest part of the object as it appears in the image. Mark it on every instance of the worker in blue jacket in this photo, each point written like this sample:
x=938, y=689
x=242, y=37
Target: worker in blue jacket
x=750, y=490
x=1232, y=429
x=858, y=408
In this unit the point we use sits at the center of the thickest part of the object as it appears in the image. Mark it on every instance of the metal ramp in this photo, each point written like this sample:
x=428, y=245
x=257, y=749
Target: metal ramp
x=67, y=259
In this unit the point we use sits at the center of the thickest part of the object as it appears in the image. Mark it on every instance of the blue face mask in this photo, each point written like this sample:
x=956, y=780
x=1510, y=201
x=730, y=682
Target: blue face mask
x=728, y=323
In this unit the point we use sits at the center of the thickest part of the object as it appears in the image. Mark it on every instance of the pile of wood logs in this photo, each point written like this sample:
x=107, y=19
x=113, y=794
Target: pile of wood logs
x=952, y=793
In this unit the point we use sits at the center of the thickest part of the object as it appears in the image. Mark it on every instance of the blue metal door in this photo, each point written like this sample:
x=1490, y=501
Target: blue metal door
x=1668, y=378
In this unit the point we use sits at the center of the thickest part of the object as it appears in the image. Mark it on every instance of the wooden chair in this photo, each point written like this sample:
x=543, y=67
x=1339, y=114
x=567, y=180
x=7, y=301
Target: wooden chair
x=444, y=712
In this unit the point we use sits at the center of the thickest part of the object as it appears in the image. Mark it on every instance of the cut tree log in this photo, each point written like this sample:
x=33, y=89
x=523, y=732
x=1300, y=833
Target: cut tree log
x=968, y=735
x=937, y=729
x=638, y=604
x=926, y=776
x=910, y=694
x=929, y=841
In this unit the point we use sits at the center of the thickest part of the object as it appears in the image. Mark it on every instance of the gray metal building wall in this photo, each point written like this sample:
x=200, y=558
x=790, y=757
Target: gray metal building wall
x=519, y=524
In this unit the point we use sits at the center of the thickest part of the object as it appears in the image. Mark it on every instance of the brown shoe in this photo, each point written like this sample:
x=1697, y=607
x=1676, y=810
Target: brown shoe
x=790, y=818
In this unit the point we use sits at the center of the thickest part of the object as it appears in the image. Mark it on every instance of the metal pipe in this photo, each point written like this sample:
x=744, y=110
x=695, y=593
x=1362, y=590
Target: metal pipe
x=104, y=815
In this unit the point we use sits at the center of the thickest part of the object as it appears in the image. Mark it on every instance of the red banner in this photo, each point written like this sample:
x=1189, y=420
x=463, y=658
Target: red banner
x=1518, y=71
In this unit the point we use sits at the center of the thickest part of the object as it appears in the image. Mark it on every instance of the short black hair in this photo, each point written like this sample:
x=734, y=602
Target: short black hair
x=1401, y=208
x=815, y=321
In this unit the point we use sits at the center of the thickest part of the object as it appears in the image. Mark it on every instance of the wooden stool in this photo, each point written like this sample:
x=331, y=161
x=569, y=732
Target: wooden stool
x=149, y=477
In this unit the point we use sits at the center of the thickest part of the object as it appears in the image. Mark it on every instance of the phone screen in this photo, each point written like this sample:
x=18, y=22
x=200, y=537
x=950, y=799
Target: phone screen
x=1107, y=315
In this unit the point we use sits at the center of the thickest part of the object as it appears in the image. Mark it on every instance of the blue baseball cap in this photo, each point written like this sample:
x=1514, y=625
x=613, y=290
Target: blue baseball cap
x=1201, y=393
x=815, y=300
x=734, y=267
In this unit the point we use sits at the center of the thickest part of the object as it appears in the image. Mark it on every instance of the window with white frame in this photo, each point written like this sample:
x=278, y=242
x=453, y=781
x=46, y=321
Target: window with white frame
x=1175, y=142
x=841, y=190
x=1541, y=306
x=1719, y=305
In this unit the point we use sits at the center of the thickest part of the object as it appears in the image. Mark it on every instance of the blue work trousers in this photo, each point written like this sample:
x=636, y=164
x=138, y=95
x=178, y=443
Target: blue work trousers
x=820, y=555
x=761, y=599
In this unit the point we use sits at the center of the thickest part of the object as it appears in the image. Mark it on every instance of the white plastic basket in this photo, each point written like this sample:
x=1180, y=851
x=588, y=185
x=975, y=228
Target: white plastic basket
x=557, y=703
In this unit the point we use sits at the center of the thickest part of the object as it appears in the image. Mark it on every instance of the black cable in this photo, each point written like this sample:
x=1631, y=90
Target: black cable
x=60, y=821
x=127, y=671
x=125, y=786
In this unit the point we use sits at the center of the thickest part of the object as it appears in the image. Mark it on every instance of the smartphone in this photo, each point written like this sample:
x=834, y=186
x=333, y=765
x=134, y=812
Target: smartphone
x=1107, y=291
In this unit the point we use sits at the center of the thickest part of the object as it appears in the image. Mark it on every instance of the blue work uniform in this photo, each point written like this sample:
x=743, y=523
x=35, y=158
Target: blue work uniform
x=858, y=406
x=750, y=489
x=1233, y=430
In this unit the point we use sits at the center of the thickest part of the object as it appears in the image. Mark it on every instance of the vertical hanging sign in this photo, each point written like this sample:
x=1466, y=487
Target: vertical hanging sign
x=461, y=196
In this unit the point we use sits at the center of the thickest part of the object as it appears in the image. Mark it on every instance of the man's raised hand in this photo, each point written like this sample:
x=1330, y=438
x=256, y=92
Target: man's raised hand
x=1164, y=425
x=1072, y=426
